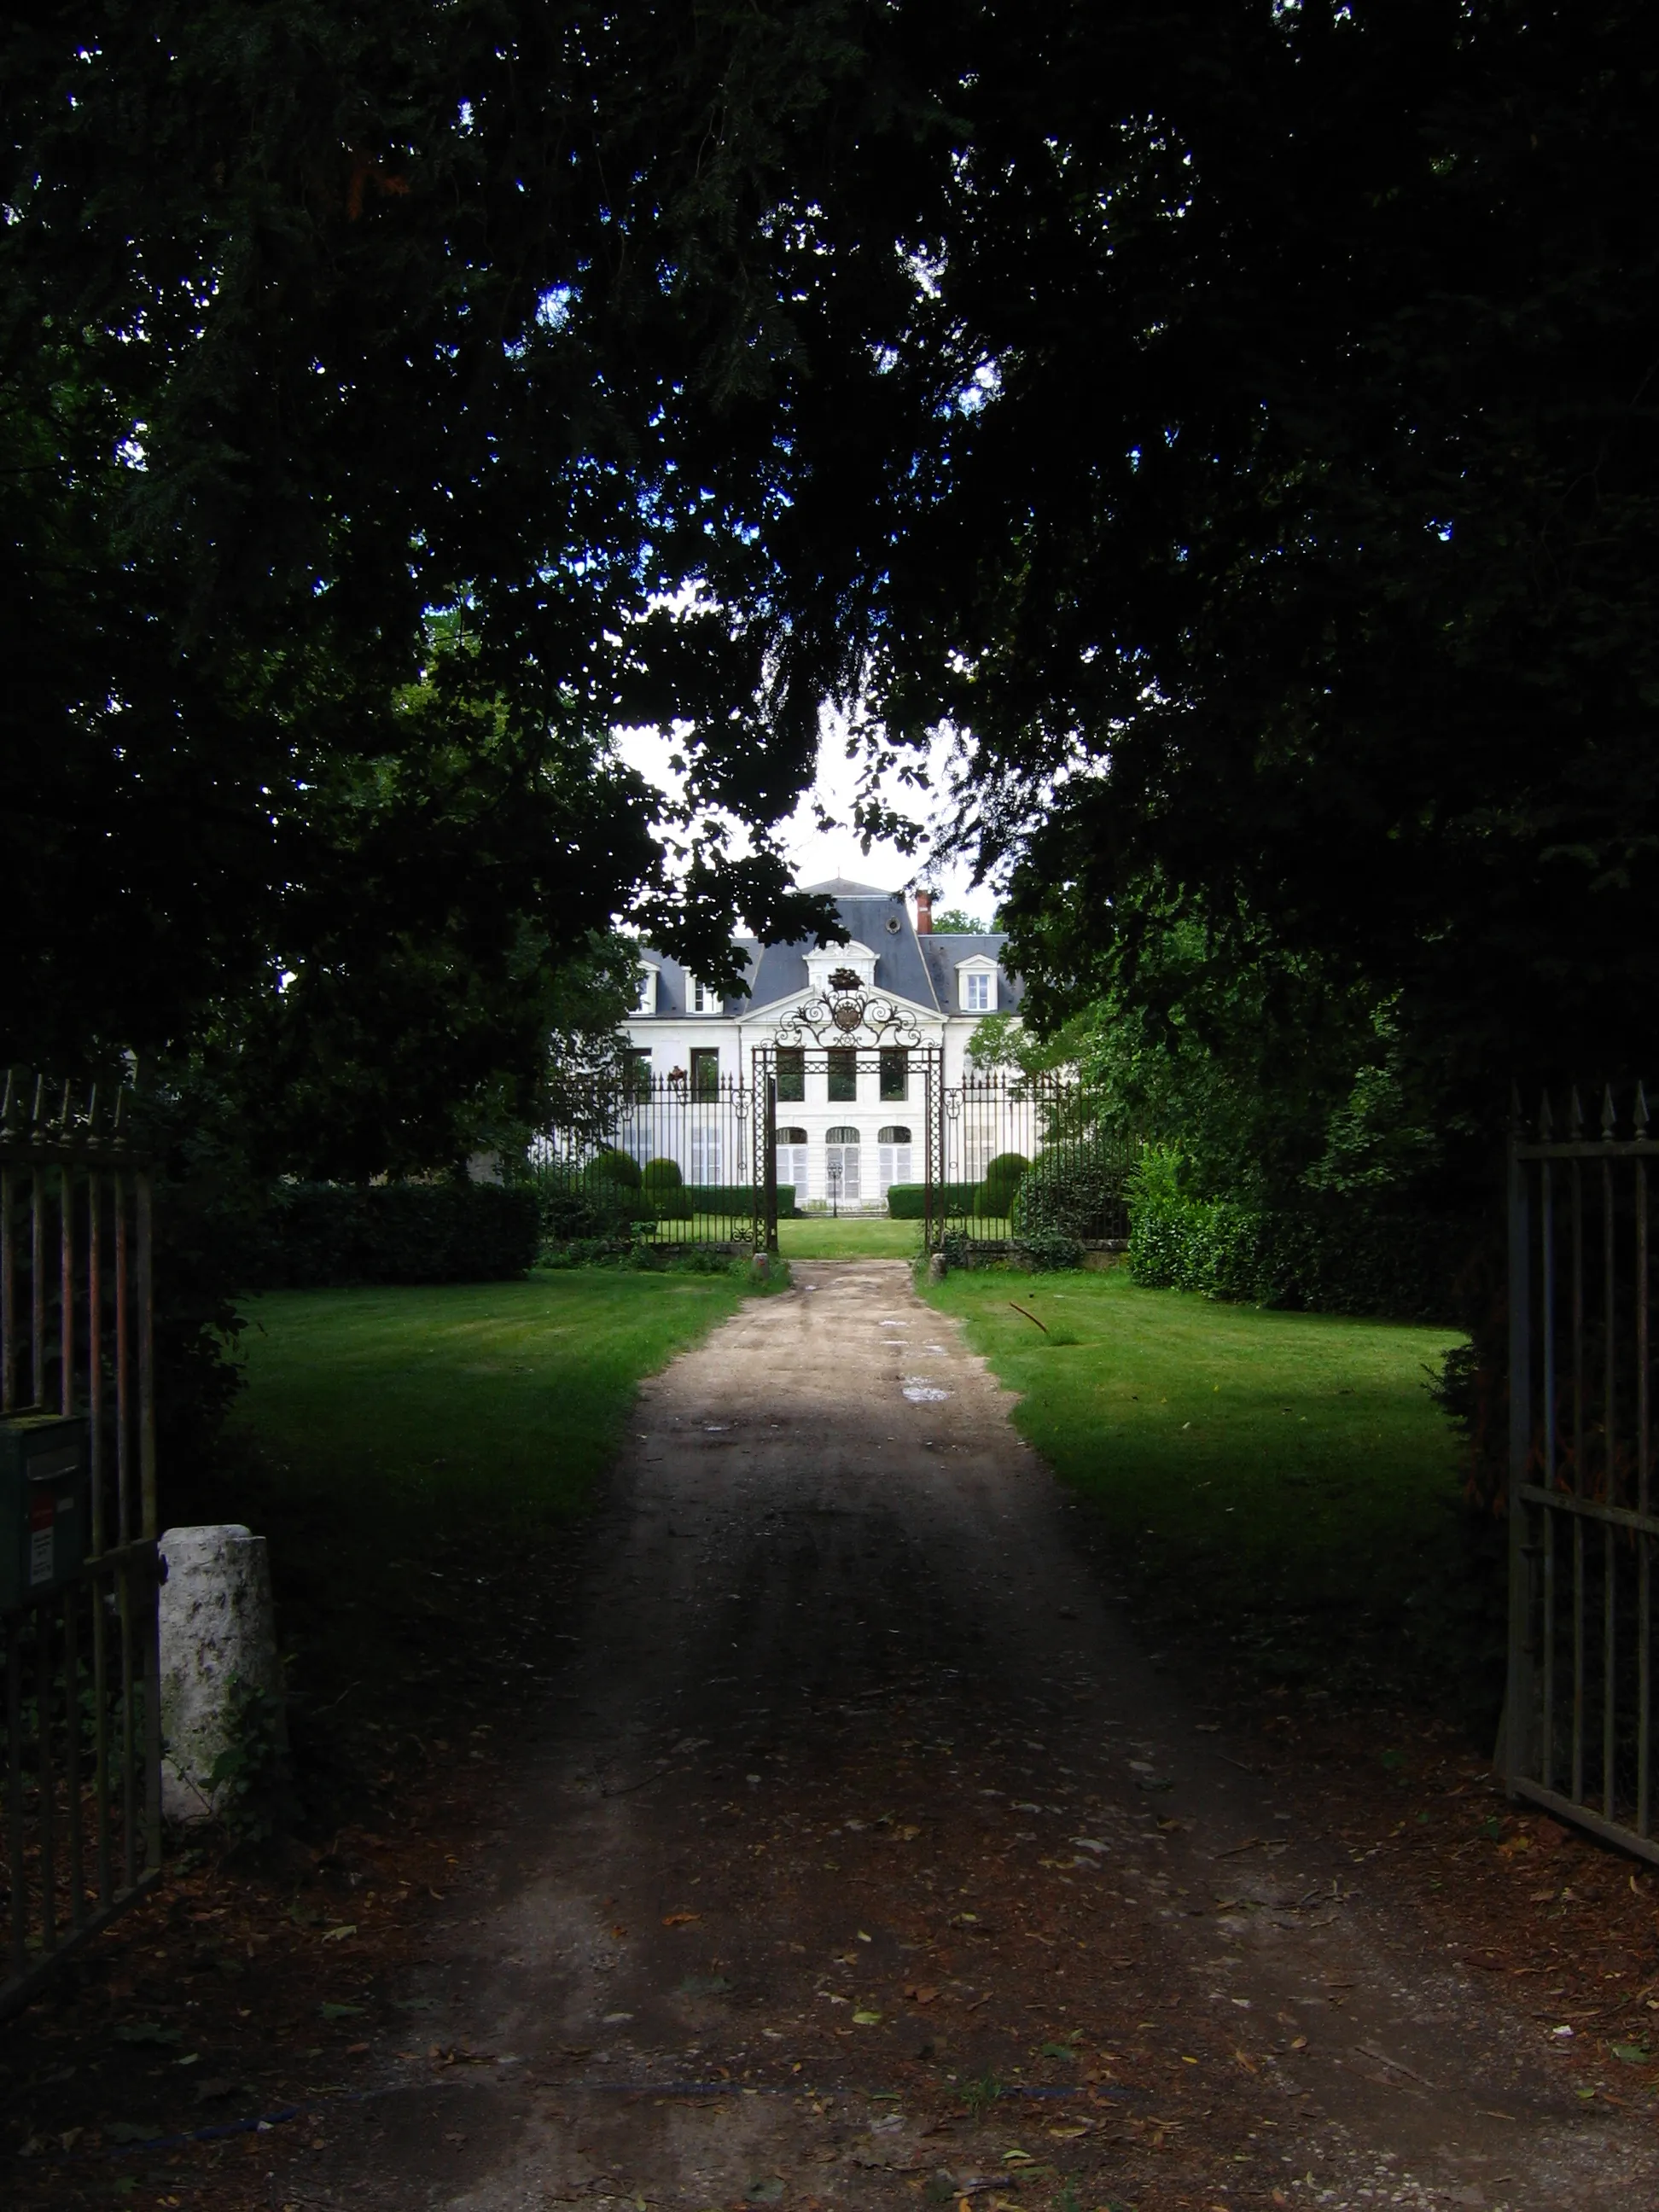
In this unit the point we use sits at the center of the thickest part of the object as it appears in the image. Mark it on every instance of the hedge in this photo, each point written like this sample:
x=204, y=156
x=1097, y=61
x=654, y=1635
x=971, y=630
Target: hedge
x=329, y=1236
x=734, y=1198
x=906, y=1201
x=1343, y=1255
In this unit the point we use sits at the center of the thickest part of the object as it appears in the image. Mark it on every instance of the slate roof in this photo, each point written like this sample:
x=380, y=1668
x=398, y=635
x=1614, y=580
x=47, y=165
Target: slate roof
x=920, y=969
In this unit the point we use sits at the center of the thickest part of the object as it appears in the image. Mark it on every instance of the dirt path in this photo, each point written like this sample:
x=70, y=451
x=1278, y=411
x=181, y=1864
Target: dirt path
x=865, y=1861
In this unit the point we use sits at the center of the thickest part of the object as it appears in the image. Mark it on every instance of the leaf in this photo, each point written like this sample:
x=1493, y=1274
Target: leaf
x=129, y=2131
x=338, y=1935
x=763, y=2193
x=867, y=2019
x=1633, y=2054
x=679, y=1920
x=704, y=1985
x=922, y=1993
x=148, y=2031
x=331, y=2011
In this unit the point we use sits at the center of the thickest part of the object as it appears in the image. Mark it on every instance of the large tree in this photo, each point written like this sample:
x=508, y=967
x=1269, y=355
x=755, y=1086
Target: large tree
x=1285, y=537
x=314, y=325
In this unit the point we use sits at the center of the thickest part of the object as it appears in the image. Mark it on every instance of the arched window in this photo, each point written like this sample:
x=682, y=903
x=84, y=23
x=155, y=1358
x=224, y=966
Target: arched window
x=840, y=1163
x=892, y=1156
x=792, y=1162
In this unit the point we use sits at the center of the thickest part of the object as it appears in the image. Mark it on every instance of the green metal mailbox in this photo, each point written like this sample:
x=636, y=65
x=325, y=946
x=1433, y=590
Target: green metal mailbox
x=43, y=1504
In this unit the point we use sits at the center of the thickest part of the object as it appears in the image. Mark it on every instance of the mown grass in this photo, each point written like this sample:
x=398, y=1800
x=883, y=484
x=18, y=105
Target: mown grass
x=821, y=1237
x=1282, y=1480
x=419, y=1460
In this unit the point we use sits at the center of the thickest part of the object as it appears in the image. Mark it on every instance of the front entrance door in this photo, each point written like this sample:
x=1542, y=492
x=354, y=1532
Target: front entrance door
x=841, y=1164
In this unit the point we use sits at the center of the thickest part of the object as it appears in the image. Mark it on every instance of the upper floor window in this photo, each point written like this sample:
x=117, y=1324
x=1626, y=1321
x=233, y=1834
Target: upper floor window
x=792, y=1075
x=705, y=999
x=646, y=1001
x=842, y=1087
x=977, y=990
x=895, y=1072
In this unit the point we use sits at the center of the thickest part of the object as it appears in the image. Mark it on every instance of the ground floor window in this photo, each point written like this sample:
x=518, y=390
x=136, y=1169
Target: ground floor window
x=706, y=1074
x=792, y=1162
x=705, y=1153
x=840, y=1163
x=892, y=1156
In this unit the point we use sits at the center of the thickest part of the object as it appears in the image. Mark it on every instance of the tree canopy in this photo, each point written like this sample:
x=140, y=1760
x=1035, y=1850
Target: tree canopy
x=1236, y=421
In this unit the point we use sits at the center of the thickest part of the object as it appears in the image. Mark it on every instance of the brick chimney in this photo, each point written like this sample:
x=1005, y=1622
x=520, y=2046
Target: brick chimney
x=924, y=914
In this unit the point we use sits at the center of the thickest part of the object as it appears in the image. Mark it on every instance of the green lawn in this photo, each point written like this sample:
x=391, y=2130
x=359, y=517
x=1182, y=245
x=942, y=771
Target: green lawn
x=820, y=1237
x=1282, y=1478
x=416, y=1458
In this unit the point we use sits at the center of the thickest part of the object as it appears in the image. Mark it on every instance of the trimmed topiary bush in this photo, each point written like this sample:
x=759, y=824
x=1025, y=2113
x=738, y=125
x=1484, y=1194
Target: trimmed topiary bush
x=1002, y=1178
x=614, y=1167
x=658, y=1177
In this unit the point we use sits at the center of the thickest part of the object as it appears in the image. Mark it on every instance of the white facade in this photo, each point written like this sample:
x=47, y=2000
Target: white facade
x=857, y=1126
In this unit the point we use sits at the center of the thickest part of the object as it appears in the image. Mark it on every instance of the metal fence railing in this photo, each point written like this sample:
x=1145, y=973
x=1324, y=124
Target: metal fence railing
x=1027, y=1157
x=81, y=1747
x=1578, y=1730
x=663, y=1159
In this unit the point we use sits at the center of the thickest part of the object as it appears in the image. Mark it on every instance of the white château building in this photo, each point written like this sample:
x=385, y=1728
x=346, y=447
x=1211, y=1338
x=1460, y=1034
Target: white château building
x=848, y=1122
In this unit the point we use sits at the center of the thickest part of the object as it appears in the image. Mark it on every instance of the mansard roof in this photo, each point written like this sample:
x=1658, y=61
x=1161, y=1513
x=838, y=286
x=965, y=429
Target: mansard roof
x=921, y=969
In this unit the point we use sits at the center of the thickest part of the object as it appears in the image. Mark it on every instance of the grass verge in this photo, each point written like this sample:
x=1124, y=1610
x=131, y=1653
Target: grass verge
x=419, y=1460
x=820, y=1237
x=1281, y=1482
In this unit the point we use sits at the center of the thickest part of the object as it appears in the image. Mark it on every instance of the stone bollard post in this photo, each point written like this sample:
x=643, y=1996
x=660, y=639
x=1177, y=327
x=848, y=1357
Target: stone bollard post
x=937, y=1269
x=218, y=1629
x=760, y=1266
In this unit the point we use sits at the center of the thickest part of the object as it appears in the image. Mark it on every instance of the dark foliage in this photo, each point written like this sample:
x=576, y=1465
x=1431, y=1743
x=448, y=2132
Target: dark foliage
x=1075, y=1190
x=324, y=1235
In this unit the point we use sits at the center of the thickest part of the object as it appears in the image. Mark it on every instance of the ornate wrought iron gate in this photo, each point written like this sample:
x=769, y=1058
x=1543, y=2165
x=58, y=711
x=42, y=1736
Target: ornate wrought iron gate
x=82, y=1790
x=858, y=1051
x=1579, y=1715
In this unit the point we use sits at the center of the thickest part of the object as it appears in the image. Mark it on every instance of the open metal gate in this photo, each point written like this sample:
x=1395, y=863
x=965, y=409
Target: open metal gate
x=83, y=1742
x=1579, y=1731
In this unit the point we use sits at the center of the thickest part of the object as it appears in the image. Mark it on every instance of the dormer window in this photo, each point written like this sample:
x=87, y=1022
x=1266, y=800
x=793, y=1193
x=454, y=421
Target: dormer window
x=646, y=1001
x=977, y=986
x=705, y=999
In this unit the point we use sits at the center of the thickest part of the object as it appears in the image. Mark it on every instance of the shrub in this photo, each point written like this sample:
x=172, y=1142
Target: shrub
x=1002, y=1178
x=614, y=1167
x=659, y=1178
x=1077, y=1189
x=1046, y=1250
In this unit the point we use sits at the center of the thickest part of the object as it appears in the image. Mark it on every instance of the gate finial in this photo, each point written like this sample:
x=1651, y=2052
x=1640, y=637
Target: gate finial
x=1546, y=1118
x=1575, y=1113
x=1609, y=1114
x=1640, y=1116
